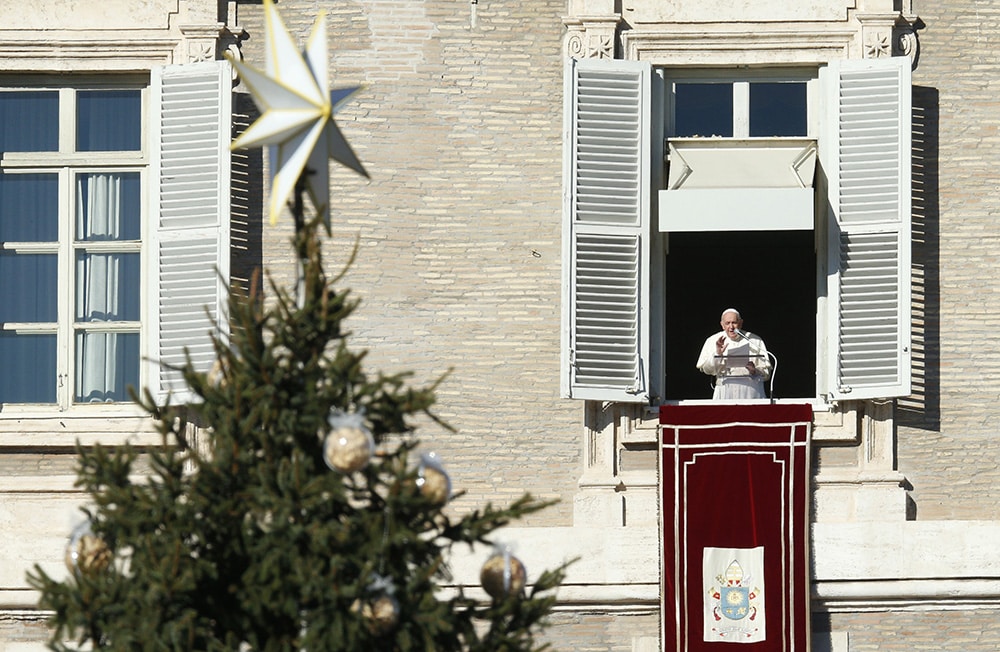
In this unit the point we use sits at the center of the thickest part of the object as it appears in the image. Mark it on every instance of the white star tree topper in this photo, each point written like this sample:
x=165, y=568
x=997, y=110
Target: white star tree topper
x=297, y=108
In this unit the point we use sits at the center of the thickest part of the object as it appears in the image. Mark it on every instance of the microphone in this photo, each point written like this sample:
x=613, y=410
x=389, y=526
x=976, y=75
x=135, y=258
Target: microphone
x=774, y=369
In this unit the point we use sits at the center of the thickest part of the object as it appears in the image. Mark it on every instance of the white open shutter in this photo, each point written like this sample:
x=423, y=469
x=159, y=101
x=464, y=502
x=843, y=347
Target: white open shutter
x=190, y=168
x=606, y=214
x=869, y=171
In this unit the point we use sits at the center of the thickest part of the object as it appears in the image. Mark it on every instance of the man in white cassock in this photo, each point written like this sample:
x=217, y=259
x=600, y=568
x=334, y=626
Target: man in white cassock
x=738, y=360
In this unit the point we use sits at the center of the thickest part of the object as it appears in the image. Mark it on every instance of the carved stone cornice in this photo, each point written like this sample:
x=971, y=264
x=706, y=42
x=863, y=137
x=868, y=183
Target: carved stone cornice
x=888, y=35
x=591, y=37
x=876, y=34
x=722, y=45
x=154, y=32
x=57, y=55
x=199, y=42
x=99, y=53
x=859, y=34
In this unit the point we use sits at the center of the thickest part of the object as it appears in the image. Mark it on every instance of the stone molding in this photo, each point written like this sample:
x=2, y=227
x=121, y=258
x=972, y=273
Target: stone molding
x=56, y=55
x=724, y=45
x=860, y=35
x=71, y=37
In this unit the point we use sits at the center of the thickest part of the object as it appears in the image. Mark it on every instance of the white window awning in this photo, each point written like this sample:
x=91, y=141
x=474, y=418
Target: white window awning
x=739, y=184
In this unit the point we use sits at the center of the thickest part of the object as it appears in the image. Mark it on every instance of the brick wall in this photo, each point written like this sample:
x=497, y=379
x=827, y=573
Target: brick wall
x=948, y=444
x=597, y=631
x=915, y=631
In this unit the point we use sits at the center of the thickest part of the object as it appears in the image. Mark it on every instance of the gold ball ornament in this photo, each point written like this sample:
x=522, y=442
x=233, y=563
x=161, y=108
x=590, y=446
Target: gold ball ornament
x=434, y=485
x=381, y=614
x=348, y=448
x=503, y=575
x=432, y=480
x=87, y=552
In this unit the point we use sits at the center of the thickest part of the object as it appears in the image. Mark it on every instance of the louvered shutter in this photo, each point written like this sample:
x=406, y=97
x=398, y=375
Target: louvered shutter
x=869, y=172
x=190, y=167
x=606, y=215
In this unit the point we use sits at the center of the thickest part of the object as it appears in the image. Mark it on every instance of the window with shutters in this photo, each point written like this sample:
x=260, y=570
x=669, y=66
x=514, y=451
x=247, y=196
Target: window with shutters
x=111, y=220
x=795, y=209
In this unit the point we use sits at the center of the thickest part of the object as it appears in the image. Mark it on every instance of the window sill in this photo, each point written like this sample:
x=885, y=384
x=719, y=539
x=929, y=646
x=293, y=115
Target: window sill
x=27, y=428
x=818, y=404
x=833, y=423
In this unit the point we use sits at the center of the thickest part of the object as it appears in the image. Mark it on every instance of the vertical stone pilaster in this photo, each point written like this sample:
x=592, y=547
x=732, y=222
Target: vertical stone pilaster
x=597, y=503
x=610, y=495
x=876, y=452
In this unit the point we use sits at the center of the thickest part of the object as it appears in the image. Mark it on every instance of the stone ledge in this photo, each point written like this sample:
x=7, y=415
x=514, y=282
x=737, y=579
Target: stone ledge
x=911, y=550
x=933, y=564
x=859, y=566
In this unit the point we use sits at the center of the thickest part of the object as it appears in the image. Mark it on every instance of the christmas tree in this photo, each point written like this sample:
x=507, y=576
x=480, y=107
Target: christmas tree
x=302, y=516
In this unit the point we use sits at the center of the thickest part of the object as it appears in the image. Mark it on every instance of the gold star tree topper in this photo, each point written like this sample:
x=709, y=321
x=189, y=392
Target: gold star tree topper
x=297, y=106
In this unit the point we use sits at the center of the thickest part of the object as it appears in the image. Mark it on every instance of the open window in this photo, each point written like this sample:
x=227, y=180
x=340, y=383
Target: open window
x=821, y=271
x=740, y=141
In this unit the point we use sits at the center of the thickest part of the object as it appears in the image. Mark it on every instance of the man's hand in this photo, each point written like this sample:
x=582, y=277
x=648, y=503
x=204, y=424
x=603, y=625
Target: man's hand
x=720, y=345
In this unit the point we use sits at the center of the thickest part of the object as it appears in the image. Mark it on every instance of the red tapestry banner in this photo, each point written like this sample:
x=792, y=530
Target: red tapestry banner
x=735, y=514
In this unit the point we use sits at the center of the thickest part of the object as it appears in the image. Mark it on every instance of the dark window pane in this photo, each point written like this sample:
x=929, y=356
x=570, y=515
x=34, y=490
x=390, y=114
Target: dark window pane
x=106, y=365
x=29, y=121
x=108, y=206
x=107, y=287
x=778, y=109
x=703, y=110
x=108, y=121
x=29, y=368
x=29, y=207
x=28, y=288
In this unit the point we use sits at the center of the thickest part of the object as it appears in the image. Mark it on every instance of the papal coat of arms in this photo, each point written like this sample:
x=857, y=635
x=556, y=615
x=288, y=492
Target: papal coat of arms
x=734, y=604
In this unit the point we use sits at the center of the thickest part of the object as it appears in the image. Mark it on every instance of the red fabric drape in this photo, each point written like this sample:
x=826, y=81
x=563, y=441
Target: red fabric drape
x=735, y=476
